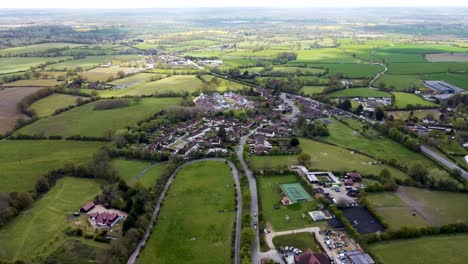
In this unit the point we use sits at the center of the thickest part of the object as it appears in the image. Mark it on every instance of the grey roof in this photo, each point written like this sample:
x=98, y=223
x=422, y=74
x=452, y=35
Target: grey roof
x=358, y=257
x=443, y=87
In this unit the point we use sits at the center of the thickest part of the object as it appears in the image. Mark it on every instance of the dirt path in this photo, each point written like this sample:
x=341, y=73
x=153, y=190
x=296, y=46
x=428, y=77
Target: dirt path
x=418, y=206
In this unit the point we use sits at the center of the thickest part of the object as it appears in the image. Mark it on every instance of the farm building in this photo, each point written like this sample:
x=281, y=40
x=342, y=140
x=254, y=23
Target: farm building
x=358, y=257
x=356, y=177
x=104, y=219
x=441, y=87
x=87, y=207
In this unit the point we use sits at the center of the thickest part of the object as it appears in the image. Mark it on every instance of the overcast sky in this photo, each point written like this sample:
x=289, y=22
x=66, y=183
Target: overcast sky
x=220, y=3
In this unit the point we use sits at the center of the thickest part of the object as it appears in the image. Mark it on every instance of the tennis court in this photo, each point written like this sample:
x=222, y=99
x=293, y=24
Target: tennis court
x=295, y=192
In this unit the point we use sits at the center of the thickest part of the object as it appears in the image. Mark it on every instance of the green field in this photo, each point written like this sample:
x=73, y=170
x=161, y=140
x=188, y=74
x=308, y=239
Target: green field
x=359, y=92
x=325, y=55
x=402, y=100
x=86, y=121
x=38, y=231
x=225, y=85
x=128, y=170
x=37, y=48
x=302, y=241
x=399, y=57
x=438, y=249
x=139, y=77
x=33, y=83
x=309, y=90
x=18, y=64
x=418, y=113
x=192, y=227
x=48, y=105
x=437, y=207
x=422, y=68
x=271, y=194
x=395, y=212
x=400, y=82
x=421, y=49
x=90, y=62
x=22, y=162
x=327, y=157
x=457, y=79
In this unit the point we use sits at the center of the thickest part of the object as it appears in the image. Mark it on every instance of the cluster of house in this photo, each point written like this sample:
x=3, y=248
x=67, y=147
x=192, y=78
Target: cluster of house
x=101, y=218
x=228, y=100
x=201, y=135
x=259, y=143
x=172, y=60
x=308, y=257
x=313, y=109
x=210, y=62
x=425, y=129
x=369, y=104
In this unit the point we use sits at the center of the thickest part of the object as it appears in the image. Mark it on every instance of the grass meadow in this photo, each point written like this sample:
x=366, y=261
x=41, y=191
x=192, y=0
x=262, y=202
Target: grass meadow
x=22, y=162
x=192, y=226
x=359, y=92
x=48, y=105
x=400, y=82
x=86, y=121
x=128, y=170
x=402, y=100
x=38, y=231
x=18, y=64
x=90, y=62
x=423, y=68
x=36, y=48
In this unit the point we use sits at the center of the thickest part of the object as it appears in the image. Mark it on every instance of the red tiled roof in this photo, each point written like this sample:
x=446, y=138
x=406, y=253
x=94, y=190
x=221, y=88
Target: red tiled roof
x=307, y=258
x=88, y=206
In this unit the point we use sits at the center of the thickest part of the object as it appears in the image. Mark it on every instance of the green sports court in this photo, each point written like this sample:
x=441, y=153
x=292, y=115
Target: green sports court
x=295, y=192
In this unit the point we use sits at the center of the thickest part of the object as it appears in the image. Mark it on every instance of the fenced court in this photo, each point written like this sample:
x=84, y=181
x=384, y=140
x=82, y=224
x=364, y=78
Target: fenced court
x=295, y=192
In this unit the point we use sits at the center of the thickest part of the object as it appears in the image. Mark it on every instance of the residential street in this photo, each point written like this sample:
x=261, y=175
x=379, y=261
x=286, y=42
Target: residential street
x=449, y=164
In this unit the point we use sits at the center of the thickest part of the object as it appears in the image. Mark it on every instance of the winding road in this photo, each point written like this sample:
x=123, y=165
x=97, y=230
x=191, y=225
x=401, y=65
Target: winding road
x=254, y=198
x=235, y=175
x=378, y=75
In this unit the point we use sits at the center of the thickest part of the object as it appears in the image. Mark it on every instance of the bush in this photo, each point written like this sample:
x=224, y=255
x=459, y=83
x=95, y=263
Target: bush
x=111, y=104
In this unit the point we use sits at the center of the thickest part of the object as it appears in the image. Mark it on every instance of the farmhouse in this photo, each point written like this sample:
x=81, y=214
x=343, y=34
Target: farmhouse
x=441, y=87
x=87, y=207
x=310, y=257
x=104, y=219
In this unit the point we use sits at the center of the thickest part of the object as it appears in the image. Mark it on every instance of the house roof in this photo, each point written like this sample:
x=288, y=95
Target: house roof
x=307, y=258
x=88, y=206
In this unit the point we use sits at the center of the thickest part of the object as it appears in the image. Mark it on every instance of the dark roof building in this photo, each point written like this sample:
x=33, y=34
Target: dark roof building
x=358, y=257
x=310, y=257
x=442, y=87
x=87, y=207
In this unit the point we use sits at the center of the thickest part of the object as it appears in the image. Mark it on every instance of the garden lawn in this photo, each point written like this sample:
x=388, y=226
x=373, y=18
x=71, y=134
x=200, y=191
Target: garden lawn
x=302, y=241
x=192, y=226
x=359, y=92
x=395, y=212
x=438, y=249
x=271, y=194
x=326, y=157
x=36, y=232
x=23, y=162
x=402, y=100
x=86, y=121
x=48, y=105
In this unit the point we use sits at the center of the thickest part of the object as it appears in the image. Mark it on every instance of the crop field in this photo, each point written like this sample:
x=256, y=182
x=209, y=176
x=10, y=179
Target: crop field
x=437, y=207
x=89, y=62
x=9, y=112
x=136, y=78
x=302, y=70
x=325, y=55
x=359, y=92
x=379, y=146
x=271, y=195
x=400, y=82
x=399, y=57
x=421, y=49
x=422, y=68
x=36, y=232
x=309, y=90
x=22, y=162
x=128, y=170
x=395, y=212
x=302, y=241
x=33, y=83
x=402, y=100
x=349, y=70
x=193, y=227
x=48, y=105
x=447, y=57
x=37, y=48
x=86, y=121
x=447, y=249
x=457, y=79
x=19, y=64
x=327, y=157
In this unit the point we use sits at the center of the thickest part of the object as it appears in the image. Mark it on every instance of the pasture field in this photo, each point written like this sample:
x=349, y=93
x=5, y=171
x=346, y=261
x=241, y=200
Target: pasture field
x=402, y=100
x=38, y=231
x=399, y=57
x=326, y=157
x=22, y=162
x=302, y=241
x=136, y=78
x=457, y=79
x=421, y=49
x=86, y=121
x=104, y=74
x=302, y=70
x=9, y=112
x=77, y=251
x=47, y=106
x=325, y=55
x=33, y=83
x=418, y=113
x=192, y=226
x=359, y=92
x=225, y=85
x=19, y=64
x=309, y=90
x=128, y=170
x=90, y=62
x=271, y=195
x=447, y=57
x=377, y=146
x=437, y=207
x=349, y=70
x=422, y=68
x=400, y=82
x=447, y=249
x=37, y=48
x=395, y=212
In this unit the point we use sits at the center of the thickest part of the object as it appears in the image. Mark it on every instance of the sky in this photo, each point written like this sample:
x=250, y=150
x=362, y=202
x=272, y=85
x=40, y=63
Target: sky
x=220, y=3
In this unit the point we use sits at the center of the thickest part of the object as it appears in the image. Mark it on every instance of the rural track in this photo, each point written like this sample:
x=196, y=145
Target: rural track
x=444, y=161
x=235, y=174
x=378, y=74
x=145, y=170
